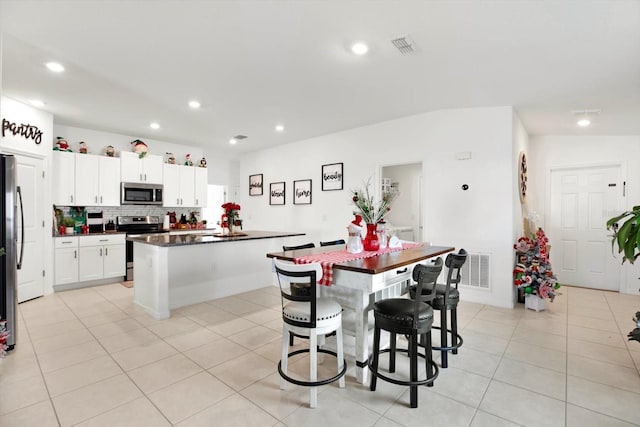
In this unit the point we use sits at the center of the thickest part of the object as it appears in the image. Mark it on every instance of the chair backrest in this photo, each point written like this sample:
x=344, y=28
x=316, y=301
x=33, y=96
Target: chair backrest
x=299, y=273
x=425, y=275
x=454, y=263
x=333, y=242
x=293, y=248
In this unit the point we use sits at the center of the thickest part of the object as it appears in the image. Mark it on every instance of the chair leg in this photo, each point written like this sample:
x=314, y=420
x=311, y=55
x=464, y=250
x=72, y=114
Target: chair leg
x=413, y=370
x=291, y=339
x=392, y=352
x=376, y=353
x=284, y=356
x=340, y=353
x=454, y=329
x=428, y=356
x=313, y=367
x=443, y=337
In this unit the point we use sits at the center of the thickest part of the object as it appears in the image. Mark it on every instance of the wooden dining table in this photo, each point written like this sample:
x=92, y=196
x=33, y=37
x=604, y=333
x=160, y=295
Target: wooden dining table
x=358, y=283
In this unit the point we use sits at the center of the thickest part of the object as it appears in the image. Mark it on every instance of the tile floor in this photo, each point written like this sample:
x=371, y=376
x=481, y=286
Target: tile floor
x=90, y=357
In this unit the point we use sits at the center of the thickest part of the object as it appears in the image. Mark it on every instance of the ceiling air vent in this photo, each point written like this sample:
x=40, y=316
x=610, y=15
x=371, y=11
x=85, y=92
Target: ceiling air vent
x=404, y=44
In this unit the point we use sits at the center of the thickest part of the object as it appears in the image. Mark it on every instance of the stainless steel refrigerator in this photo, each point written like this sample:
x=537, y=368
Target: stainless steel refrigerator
x=11, y=262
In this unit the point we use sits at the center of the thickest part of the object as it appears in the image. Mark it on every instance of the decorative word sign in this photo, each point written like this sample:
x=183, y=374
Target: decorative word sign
x=276, y=193
x=332, y=178
x=302, y=192
x=25, y=130
x=255, y=185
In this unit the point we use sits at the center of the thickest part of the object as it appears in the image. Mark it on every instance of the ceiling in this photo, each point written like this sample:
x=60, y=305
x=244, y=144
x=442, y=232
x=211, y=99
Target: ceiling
x=255, y=64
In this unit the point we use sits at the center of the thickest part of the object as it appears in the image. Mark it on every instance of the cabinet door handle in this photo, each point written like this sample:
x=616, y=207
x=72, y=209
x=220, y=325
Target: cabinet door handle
x=145, y=176
x=104, y=240
x=96, y=199
x=197, y=202
x=64, y=243
x=100, y=199
x=100, y=251
x=402, y=271
x=75, y=254
x=140, y=177
x=177, y=201
x=106, y=251
x=71, y=197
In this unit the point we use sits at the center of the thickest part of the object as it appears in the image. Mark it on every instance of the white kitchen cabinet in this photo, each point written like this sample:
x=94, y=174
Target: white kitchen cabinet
x=134, y=169
x=66, y=260
x=201, y=187
x=101, y=257
x=63, y=178
x=85, y=180
x=179, y=186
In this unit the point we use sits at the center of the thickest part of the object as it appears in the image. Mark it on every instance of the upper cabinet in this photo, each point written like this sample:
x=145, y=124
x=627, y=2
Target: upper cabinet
x=201, y=187
x=97, y=180
x=178, y=186
x=134, y=169
x=85, y=180
x=64, y=178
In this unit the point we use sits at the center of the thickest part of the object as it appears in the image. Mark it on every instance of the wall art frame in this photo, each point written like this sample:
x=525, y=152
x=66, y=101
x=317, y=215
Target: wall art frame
x=333, y=177
x=255, y=185
x=302, y=192
x=277, y=193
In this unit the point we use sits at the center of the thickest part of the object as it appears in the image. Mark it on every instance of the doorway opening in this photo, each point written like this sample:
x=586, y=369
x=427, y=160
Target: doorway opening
x=405, y=217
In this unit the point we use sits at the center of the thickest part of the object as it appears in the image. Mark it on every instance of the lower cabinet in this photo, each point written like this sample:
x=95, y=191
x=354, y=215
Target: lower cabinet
x=66, y=260
x=96, y=257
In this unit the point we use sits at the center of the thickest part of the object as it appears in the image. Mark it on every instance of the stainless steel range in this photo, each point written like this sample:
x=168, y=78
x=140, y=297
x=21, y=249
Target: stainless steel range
x=136, y=226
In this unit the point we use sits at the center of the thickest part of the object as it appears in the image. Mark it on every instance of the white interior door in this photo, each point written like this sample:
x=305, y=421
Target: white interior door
x=582, y=200
x=31, y=182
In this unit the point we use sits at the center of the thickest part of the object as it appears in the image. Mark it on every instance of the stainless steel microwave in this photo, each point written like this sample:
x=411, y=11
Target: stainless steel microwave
x=133, y=193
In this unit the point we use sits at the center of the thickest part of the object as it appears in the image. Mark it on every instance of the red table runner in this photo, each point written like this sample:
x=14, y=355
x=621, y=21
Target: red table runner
x=327, y=259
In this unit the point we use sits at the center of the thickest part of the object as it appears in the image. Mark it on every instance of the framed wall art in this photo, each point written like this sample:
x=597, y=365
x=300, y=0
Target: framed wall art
x=302, y=192
x=277, y=193
x=255, y=185
x=332, y=177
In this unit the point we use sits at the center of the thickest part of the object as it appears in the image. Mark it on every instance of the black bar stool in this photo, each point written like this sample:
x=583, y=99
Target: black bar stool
x=333, y=242
x=412, y=318
x=446, y=299
x=298, y=288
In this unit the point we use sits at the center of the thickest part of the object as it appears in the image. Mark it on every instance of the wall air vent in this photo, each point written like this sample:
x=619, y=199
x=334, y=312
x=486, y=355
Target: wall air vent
x=404, y=44
x=475, y=272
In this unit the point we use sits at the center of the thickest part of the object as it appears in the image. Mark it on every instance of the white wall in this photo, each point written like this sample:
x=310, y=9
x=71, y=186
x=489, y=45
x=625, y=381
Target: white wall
x=20, y=113
x=479, y=219
x=553, y=151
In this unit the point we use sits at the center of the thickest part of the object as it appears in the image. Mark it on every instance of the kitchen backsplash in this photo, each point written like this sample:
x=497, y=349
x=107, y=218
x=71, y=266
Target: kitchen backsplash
x=111, y=212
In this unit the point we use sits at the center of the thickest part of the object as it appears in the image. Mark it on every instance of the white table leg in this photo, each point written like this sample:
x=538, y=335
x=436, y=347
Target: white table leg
x=362, y=343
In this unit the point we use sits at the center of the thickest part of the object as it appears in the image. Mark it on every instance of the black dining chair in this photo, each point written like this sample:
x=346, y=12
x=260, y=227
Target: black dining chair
x=298, y=289
x=446, y=299
x=333, y=242
x=412, y=318
x=311, y=316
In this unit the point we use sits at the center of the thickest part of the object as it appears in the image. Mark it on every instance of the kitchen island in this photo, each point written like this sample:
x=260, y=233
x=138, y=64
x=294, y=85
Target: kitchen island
x=175, y=270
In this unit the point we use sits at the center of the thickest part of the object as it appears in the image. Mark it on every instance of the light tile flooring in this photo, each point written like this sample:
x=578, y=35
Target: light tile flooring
x=90, y=357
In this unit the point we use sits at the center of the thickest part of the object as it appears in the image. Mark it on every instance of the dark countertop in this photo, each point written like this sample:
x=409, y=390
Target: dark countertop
x=105, y=233
x=199, y=238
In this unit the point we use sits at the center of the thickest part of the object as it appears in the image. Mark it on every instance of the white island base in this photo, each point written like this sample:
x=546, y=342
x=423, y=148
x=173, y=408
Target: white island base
x=168, y=276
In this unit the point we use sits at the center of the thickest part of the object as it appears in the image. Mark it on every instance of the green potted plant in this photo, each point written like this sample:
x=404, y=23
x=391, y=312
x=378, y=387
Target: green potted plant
x=627, y=235
x=69, y=224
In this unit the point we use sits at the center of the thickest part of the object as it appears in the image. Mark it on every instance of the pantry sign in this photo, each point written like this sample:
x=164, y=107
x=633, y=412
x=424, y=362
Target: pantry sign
x=26, y=131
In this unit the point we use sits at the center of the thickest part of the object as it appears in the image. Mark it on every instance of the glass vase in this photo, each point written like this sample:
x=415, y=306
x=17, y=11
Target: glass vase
x=371, y=242
x=230, y=226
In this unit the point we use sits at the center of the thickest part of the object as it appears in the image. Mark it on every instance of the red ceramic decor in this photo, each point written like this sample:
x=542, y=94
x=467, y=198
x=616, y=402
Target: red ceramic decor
x=370, y=241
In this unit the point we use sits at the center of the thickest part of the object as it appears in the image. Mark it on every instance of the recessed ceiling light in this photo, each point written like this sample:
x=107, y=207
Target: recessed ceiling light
x=279, y=128
x=194, y=104
x=584, y=123
x=359, y=48
x=37, y=103
x=55, y=67
x=154, y=125
x=232, y=141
